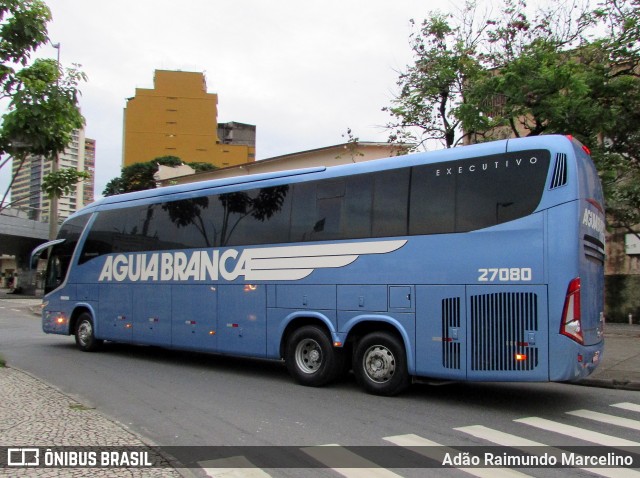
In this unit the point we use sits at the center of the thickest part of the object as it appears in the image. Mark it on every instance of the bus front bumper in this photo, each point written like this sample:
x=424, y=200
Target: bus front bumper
x=55, y=322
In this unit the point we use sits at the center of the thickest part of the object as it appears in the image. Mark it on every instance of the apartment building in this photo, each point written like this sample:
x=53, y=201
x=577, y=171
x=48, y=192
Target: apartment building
x=26, y=191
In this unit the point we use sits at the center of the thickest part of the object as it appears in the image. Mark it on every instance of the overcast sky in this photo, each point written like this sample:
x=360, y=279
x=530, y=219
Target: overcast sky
x=301, y=71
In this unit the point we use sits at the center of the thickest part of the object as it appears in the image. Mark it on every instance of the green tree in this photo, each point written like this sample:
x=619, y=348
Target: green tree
x=433, y=87
x=61, y=182
x=23, y=28
x=139, y=176
x=616, y=136
x=534, y=78
x=43, y=108
x=579, y=82
x=556, y=72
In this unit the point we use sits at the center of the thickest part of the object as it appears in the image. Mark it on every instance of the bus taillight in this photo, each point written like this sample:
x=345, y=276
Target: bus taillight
x=571, y=325
x=584, y=148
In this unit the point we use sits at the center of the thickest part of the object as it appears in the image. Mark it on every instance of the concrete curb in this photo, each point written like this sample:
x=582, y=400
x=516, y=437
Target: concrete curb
x=609, y=383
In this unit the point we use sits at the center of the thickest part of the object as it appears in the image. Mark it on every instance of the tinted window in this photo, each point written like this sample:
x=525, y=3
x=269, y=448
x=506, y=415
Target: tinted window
x=498, y=189
x=433, y=202
x=61, y=254
x=332, y=209
x=456, y=196
x=112, y=231
x=184, y=224
x=460, y=196
x=72, y=229
x=390, y=203
x=358, y=206
x=305, y=224
x=257, y=216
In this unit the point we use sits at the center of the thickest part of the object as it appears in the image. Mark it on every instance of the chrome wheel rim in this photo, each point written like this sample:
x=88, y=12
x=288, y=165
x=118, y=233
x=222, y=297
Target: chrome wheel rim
x=85, y=332
x=379, y=363
x=308, y=356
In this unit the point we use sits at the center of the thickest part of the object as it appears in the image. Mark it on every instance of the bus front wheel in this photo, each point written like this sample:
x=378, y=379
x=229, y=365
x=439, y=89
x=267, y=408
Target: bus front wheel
x=85, y=336
x=380, y=364
x=310, y=357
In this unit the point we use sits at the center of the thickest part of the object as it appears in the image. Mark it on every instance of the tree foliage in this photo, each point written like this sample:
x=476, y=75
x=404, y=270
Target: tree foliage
x=61, y=182
x=557, y=71
x=43, y=108
x=139, y=176
x=432, y=88
x=23, y=28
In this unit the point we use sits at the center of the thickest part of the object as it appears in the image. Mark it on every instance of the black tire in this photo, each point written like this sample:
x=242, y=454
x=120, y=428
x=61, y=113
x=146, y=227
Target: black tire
x=85, y=336
x=380, y=364
x=311, y=358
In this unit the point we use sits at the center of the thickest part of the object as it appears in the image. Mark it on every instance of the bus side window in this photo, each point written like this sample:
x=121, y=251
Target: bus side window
x=329, y=205
x=390, y=203
x=260, y=216
x=433, y=201
x=303, y=213
x=358, y=203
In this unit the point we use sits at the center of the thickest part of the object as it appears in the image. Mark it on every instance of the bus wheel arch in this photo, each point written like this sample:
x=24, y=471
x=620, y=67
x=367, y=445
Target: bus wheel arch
x=309, y=354
x=380, y=362
x=84, y=331
x=73, y=321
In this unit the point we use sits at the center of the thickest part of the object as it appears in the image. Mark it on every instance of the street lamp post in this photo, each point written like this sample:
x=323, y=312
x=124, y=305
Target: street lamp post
x=53, y=200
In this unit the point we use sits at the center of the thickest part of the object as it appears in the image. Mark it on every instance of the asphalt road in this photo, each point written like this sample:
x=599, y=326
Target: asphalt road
x=177, y=398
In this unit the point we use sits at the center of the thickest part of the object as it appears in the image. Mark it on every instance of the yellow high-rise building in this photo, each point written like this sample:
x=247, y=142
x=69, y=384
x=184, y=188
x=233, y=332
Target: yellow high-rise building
x=179, y=118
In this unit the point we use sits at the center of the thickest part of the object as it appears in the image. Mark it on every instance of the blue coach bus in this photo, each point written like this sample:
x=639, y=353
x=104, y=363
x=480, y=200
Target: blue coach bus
x=483, y=262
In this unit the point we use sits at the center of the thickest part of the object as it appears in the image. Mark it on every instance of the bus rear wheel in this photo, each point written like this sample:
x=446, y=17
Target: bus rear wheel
x=310, y=357
x=85, y=336
x=380, y=364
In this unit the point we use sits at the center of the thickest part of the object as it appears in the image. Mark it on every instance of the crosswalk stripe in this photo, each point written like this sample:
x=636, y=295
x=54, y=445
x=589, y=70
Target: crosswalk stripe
x=514, y=441
x=359, y=467
x=604, y=418
x=438, y=454
x=498, y=437
x=634, y=407
x=232, y=467
x=581, y=433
